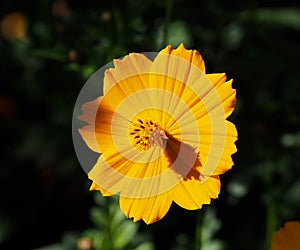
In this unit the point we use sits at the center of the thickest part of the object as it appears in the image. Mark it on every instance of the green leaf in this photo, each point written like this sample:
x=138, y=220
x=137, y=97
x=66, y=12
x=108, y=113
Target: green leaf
x=211, y=225
x=287, y=17
x=145, y=246
x=178, y=32
x=213, y=245
x=99, y=217
x=99, y=199
x=117, y=218
x=88, y=71
x=124, y=234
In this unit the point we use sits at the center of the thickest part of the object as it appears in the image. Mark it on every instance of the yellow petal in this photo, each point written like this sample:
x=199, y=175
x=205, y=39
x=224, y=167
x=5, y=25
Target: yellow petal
x=184, y=160
x=106, y=122
x=134, y=179
x=192, y=194
x=216, y=148
x=95, y=187
x=130, y=66
x=229, y=148
x=89, y=110
x=98, y=115
x=159, y=102
x=192, y=56
x=149, y=209
x=89, y=116
x=225, y=91
x=176, y=70
x=88, y=135
x=287, y=238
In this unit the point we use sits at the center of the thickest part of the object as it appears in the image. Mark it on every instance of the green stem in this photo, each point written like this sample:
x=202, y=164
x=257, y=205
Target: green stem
x=112, y=208
x=271, y=222
x=169, y=7
x=198, y=237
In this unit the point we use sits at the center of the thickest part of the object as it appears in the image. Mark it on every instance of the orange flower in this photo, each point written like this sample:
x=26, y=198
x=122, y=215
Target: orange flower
x=162, y=133
x=13, y=25
x=60, y=8
x=287, y=238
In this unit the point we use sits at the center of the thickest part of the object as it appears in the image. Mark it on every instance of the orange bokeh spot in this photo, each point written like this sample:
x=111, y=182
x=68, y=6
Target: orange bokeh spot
x=13, y=25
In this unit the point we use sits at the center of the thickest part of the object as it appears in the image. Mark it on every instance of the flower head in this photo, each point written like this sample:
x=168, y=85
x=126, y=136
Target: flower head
x=13, y=26
x=162, y=132
x=287, y=238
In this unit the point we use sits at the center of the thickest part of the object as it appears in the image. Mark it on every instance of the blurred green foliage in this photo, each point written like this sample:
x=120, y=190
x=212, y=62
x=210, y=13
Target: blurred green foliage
x=111, y=231
x=51, y=48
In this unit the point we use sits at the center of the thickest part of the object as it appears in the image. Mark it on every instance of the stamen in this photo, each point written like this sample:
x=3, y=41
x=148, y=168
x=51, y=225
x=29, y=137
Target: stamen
x=146, y=134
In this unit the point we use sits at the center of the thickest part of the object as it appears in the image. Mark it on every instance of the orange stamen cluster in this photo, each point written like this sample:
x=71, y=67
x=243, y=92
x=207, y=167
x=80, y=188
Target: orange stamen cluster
x=145, y=134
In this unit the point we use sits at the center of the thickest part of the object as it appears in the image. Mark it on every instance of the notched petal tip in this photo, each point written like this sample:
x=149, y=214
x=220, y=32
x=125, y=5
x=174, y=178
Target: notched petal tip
x=181, y=45
x=192, y=56
x=225, y=92
x=89, y=113
x=95, y=187
x=89, y=110
x=88, y=135
x=149, y=209
x=168, y=49
x=124, y=68
x=193, y=194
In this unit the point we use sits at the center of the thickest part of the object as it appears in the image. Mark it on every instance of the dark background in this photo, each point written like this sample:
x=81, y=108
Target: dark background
x=53, y=47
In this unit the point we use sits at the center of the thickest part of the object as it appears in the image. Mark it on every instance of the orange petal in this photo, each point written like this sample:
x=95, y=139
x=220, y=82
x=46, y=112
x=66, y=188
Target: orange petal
x=183, y=158
x=88, y=135
x=149, y=209
x=229, y=148
x=132, y=65
x=214, y=137
x=103, y=122
x=89, y=116
x=216, y=148
x=89, y=110
x=225, y=91
x=134, y=179
x=95, y=187
x=180, y=68
x=177, y=71
x=217, y=98
x=287, y=237
x=192, y=194
x=192, y=56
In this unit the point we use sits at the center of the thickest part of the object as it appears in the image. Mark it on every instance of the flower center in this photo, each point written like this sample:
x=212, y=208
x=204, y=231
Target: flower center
x=145, y=134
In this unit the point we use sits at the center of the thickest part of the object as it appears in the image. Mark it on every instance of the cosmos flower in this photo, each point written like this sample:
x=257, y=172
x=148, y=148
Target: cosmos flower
x=287, y=238
x=13, y=26
x=161, y=132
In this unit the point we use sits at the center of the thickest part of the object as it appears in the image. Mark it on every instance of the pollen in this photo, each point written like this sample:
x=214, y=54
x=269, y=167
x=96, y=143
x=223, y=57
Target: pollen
x=146, y=134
